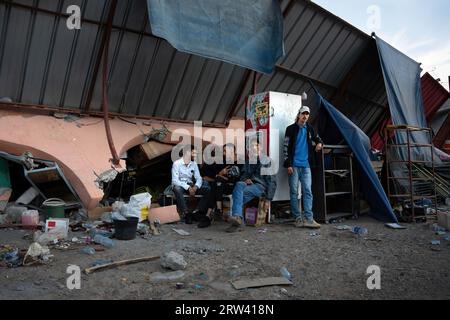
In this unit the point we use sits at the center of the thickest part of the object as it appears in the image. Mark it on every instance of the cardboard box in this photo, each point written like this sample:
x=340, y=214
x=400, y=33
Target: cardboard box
x=444, y=219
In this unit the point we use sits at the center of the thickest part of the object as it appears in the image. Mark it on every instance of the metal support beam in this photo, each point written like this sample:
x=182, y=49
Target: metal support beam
x=50, y=110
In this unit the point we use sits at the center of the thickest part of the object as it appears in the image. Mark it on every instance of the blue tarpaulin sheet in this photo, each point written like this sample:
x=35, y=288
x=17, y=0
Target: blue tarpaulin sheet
x=359, y=142
x=248, y=33
x=404, y=93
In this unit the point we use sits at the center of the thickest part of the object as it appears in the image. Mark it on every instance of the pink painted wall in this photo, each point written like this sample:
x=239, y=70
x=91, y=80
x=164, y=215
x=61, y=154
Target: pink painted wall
x=80, y=147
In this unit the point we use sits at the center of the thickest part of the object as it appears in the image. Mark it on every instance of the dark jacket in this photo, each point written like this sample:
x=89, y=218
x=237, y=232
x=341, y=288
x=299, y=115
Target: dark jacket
x=253, y=172
x=290, y=141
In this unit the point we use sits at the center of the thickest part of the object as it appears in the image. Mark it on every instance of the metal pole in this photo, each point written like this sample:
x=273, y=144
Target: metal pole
x=410, y=174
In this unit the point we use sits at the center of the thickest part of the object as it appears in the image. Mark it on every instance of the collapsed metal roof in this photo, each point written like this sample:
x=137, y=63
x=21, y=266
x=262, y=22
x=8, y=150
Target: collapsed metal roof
x=44, y=64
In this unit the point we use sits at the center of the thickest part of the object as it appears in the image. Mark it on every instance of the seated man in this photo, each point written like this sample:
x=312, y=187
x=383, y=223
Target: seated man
x=222, y=178
x=186, y=179
x=253, y=184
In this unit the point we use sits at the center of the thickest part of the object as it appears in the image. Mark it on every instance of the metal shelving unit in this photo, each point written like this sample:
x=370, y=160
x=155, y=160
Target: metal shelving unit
x=411, y=173
x=341, y=156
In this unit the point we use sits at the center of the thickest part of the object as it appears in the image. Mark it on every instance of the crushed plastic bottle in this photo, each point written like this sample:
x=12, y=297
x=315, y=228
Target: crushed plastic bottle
x=88, y=250
x=360, y=231
x=285, y=273
x=104, y=241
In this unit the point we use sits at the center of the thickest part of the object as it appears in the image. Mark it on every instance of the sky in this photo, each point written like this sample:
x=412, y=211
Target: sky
x=418, y=28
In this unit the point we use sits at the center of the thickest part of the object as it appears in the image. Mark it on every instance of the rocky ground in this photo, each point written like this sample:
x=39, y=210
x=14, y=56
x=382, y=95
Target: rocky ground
x=331, y=265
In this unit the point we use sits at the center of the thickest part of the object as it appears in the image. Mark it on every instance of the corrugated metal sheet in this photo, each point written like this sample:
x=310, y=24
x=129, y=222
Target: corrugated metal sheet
x=44, y=63
x=434, y=95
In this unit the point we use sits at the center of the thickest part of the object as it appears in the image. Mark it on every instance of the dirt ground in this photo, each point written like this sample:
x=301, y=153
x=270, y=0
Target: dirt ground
x=331, y=265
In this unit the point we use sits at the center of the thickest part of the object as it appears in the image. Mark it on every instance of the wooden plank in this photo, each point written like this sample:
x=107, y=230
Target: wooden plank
x=119, y=263
x=261, y=282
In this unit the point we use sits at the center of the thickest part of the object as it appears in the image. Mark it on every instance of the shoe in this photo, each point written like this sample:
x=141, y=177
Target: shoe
x=299, y=223
x=311, y=224
x=197, y=215
x=205, y=222
x=236, y=223
x=188, y=218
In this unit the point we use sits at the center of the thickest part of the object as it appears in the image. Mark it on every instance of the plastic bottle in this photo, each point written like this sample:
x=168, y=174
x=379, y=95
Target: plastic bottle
x=88, y=250
x=285, y=273
x=104, y=241
x=360, y=231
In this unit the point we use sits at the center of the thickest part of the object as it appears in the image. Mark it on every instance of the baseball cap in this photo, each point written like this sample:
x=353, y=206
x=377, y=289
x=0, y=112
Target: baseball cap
x=304, y=109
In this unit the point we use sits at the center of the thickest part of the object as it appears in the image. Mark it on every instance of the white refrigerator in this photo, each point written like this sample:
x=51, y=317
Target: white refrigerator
x=267, y=115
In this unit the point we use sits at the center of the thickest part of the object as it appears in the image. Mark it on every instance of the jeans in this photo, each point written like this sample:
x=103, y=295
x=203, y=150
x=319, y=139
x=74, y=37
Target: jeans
x=304, y=176
x=243, y=194
x=179, y=193
x=218, y=190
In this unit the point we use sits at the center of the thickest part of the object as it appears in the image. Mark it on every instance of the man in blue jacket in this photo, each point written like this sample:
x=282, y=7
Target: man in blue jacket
x=254, y=184
x=300, y=145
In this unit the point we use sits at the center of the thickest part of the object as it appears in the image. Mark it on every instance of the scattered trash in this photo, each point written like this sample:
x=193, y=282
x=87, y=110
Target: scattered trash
x=46, y=238
x=173, y=261
x=359, y=231
x=10, y=256
x=447, y=238
x=264, y=230
x=436, y=242
x=154, y=227
x=104, y=241
x=30, y=218
x=394, y=226
x=203, y=276
x=314, y=234
x=38, y=253
x=88, y=250
x=441, y=233
x=58, y=227
x=285, y=273
x=435, y=227
x=166, y=276
x=101, y=262
x=118, y=263
x=262, y=282
x=181, y=232
x=283, y=291
x=198, y=286
x=246, y=241
x=75, y=239
x=345, y=227
x=179, y=285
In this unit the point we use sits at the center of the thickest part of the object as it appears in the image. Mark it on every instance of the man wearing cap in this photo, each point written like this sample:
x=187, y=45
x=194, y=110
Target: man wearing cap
x=300, y=145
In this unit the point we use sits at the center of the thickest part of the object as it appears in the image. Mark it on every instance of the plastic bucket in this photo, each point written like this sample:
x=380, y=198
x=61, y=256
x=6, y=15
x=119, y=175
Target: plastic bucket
x=54, y=208
x=126, y=229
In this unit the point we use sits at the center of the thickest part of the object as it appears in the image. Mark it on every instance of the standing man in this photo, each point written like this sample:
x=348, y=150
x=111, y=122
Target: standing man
x=299, y=158
x=186, y=179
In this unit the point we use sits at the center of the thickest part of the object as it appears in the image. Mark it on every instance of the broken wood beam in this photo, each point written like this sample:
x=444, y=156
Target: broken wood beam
x=119, y=263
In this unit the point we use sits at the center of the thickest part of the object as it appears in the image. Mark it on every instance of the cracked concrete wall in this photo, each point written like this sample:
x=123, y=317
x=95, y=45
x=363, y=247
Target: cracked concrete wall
x=79, y=146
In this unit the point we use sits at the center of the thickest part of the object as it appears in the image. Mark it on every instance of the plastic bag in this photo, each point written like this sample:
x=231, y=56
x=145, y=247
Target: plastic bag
x=138, y=207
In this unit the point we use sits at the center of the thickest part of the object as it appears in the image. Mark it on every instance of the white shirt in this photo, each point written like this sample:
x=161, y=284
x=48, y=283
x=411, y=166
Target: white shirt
x=182, y=174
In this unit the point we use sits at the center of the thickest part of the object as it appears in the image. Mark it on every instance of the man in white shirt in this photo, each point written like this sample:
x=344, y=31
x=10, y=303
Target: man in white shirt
x=186, y=179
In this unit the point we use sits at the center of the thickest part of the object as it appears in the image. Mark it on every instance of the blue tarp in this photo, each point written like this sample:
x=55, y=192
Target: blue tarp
x=359, y=143
x=248, y=33
x=404, y=93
